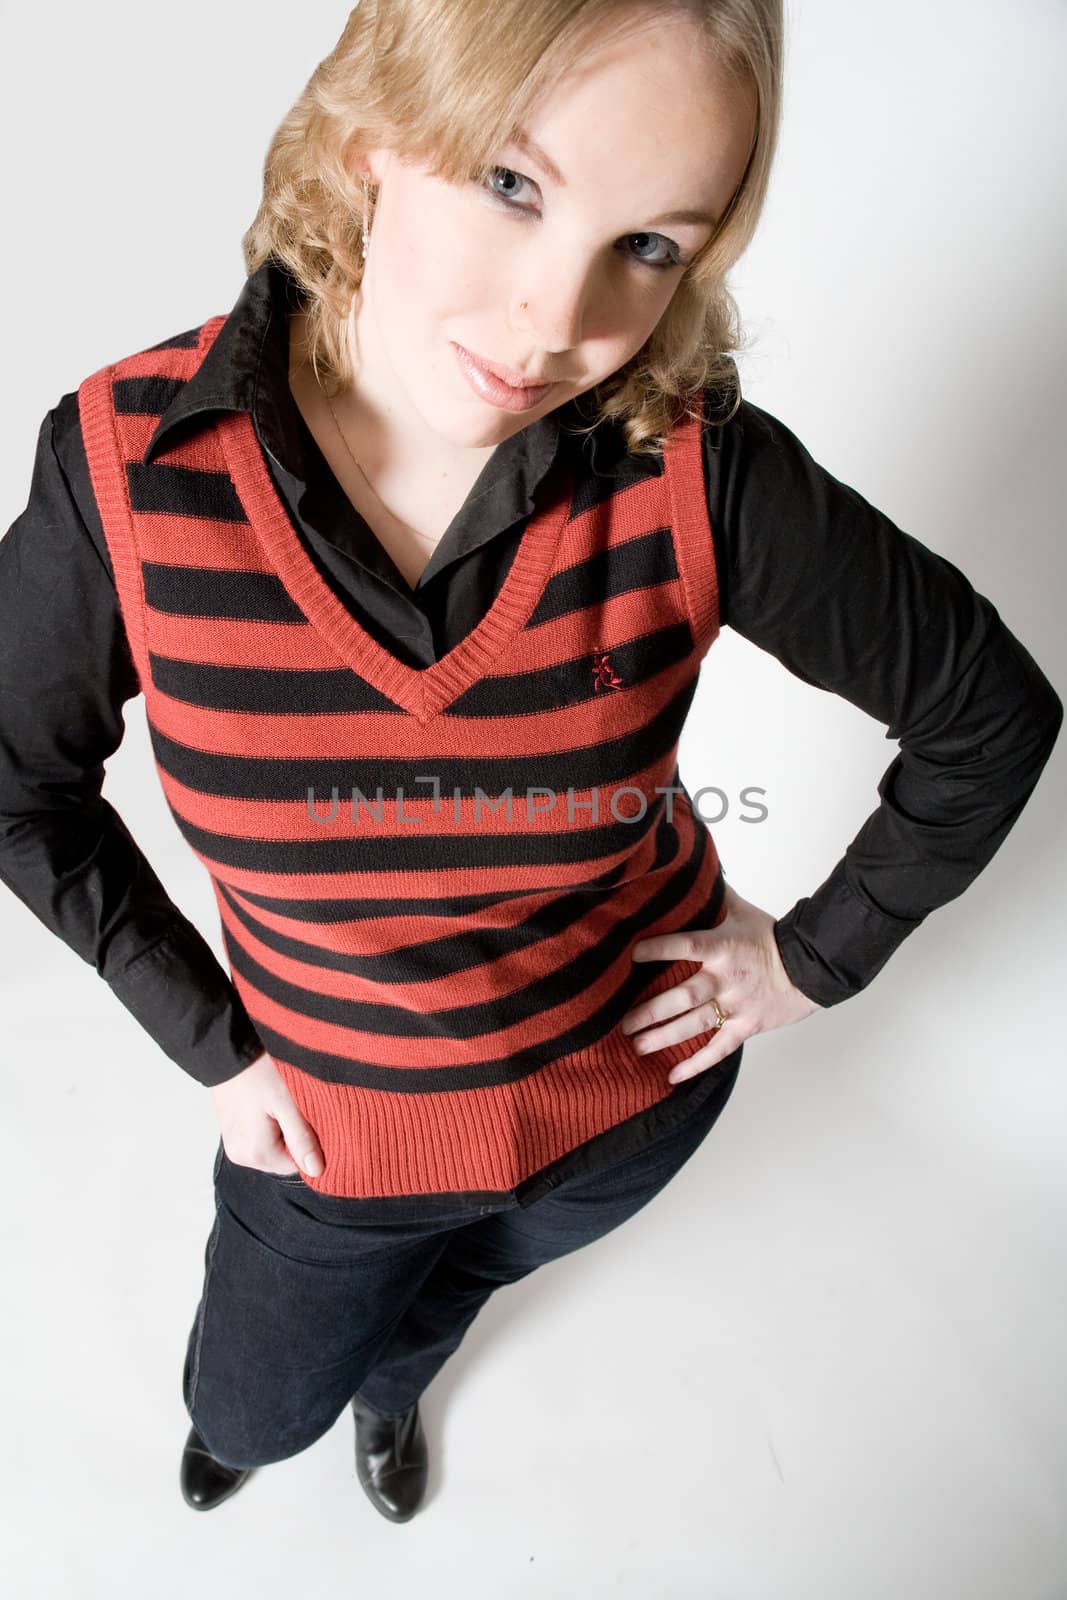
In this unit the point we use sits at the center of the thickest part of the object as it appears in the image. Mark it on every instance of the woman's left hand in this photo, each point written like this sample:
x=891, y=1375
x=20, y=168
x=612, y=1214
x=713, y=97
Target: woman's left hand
x=740, y=967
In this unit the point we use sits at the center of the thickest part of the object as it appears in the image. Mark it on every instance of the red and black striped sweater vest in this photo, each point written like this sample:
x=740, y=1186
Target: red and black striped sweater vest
x=429, y=881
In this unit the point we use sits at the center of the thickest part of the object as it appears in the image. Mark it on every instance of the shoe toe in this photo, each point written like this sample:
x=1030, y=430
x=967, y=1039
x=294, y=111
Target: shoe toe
x=399, y=1493
x=206, y=1482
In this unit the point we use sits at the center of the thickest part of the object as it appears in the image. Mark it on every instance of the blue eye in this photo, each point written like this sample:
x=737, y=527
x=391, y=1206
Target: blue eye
x=505, y=172
x=672, y=260
x=511, y=205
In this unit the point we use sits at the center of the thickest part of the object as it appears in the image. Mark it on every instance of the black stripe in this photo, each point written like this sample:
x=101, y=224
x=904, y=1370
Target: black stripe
x=277, y=691
x=183, y=492
x=239, y=595
x=145, y=396
x=322, y=911
x=621, y=569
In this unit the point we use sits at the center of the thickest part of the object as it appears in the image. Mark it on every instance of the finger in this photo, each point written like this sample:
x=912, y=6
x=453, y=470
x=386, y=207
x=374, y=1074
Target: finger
x=715, y=1052
x=683, y=999
x=685, y=945
x=304, y=1148
x=701, y=1018
x=683, y=996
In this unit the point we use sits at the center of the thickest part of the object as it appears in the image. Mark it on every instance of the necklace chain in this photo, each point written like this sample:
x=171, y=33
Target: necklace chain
x=363, y=475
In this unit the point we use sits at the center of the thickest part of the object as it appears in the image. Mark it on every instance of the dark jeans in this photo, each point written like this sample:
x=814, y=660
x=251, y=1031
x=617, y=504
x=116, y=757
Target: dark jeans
x=307, y=1299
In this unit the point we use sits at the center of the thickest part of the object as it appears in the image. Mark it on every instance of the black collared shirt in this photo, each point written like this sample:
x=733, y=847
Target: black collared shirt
x=808, y=570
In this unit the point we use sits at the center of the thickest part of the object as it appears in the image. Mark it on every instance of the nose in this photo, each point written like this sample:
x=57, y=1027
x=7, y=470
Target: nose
x=550, y=306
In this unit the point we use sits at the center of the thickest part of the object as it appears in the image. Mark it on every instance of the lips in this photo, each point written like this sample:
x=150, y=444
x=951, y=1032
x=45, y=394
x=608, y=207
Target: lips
x=499, y=385
x=508, y=375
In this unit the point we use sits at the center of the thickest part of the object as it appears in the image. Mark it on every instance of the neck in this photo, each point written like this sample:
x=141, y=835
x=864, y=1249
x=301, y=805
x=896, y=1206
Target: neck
x=386, y=448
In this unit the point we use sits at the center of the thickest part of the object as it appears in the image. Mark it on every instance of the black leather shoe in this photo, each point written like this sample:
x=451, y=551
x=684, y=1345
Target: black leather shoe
x=205, y=1481
x=391, y=1460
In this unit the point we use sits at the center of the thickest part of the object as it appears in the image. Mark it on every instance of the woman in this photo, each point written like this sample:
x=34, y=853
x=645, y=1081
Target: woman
x=415, y=557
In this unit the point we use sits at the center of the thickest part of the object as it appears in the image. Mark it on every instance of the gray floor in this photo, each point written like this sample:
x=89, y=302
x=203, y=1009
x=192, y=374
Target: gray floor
x=854, y=1395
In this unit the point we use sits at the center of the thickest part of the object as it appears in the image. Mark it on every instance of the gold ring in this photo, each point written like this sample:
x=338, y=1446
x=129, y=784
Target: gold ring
x=720, y=1014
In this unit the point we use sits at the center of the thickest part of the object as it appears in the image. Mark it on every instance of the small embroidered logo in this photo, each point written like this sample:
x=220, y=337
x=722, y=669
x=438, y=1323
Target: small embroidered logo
x=604, y=674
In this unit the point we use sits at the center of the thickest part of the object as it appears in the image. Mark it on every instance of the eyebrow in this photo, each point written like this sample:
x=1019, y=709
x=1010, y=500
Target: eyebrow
x=524, y=142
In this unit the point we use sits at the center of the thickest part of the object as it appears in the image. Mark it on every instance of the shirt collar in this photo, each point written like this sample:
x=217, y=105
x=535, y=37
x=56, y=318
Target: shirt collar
x=247, y=369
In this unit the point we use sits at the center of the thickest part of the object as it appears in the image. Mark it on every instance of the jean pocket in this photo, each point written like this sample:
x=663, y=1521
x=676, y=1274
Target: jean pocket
x=222, y=1159
x=274, y=1177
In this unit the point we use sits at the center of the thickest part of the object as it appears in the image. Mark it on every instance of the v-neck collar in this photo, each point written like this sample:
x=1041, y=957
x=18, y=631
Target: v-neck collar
x=425, y=691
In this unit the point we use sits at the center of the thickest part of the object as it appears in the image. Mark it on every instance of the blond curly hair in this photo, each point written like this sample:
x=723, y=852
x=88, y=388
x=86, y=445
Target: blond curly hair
x=449, y=82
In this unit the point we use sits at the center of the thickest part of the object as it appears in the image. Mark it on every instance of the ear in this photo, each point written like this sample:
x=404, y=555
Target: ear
x=370, y=163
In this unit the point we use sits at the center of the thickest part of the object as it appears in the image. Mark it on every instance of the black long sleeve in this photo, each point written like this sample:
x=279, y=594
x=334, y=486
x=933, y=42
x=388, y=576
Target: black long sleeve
x=65, y=673
x=848, y=602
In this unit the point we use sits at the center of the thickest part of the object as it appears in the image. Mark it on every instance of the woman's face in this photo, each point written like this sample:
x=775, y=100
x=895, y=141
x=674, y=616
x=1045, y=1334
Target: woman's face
x=645, y=126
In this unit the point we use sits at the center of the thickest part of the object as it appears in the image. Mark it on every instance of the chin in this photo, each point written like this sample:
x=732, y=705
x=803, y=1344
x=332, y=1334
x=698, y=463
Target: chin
x=470, y=424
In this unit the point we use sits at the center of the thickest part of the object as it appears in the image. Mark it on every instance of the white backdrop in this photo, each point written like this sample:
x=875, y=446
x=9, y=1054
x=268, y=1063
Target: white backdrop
x=861, y=1390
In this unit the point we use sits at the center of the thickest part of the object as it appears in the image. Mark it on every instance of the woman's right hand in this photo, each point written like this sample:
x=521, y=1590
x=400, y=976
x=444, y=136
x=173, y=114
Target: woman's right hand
x=259, y=1119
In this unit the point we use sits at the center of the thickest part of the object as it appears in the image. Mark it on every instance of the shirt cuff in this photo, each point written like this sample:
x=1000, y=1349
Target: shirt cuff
x=181, y=996
x=832, y=943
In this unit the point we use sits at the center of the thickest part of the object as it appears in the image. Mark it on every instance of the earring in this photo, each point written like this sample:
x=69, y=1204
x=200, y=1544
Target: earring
x=366, y=214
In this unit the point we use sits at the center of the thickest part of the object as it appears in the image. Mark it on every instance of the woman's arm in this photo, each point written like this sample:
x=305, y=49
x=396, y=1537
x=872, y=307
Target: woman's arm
x=814, y=574
x=65, y=672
